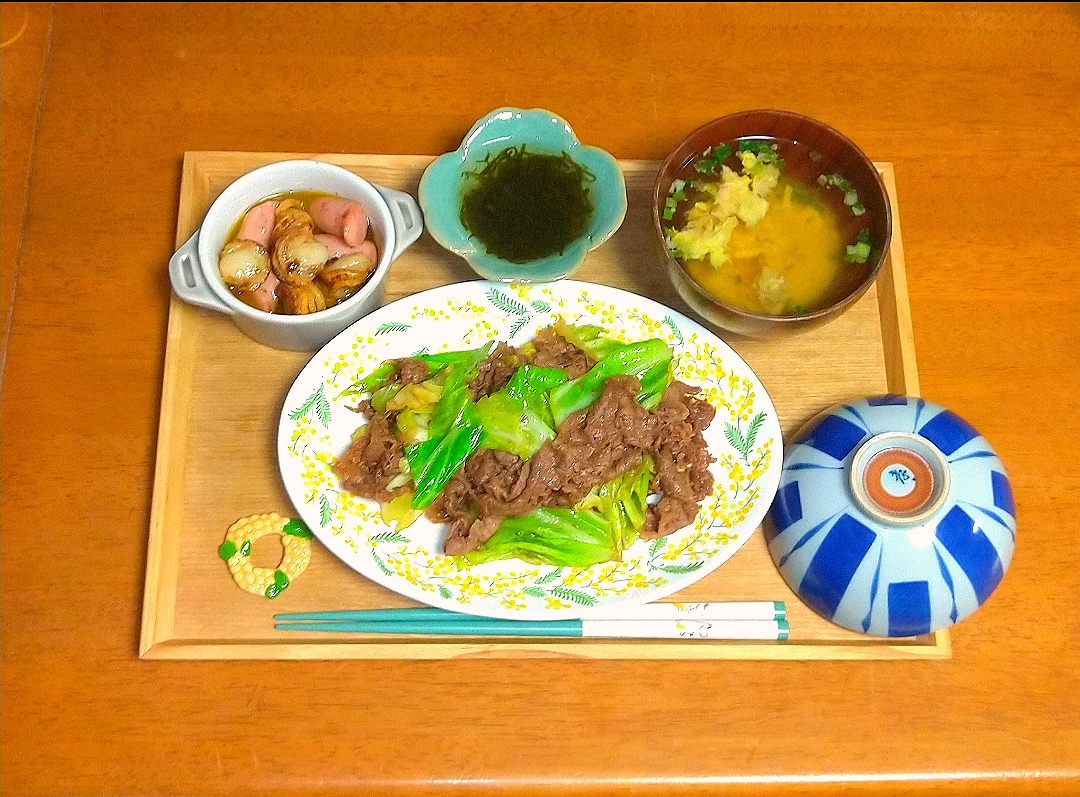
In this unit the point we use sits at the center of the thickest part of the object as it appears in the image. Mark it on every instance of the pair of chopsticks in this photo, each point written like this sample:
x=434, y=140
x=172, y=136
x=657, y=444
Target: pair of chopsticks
x=745, y=620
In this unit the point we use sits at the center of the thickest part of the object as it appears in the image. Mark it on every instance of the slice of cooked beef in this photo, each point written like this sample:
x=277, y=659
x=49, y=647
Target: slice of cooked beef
x=680, y=402
x=618, y=415
x=410, y=371
x=682, y=459
x=495, y=371
x=551, y=350
x=500, y=474
x=667, y=516
x=465, y=536
x=604, y=440
x=372, y=459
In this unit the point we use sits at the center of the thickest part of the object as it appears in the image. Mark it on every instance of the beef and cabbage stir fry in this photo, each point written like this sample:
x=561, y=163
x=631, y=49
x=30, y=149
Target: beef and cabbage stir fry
x=562, y=451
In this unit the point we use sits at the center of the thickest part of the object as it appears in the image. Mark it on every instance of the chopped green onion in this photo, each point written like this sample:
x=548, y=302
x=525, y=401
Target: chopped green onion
x=705, y=166
x=765, y=151
x=669, y=213
x=721, y=153
x=836, y=181
x=851, y=196
x=677, y=187
x=757, y=147
x=864, y=235
x=858, y=252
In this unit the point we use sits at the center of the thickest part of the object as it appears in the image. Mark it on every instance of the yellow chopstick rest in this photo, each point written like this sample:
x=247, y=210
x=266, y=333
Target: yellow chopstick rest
x=266, y=581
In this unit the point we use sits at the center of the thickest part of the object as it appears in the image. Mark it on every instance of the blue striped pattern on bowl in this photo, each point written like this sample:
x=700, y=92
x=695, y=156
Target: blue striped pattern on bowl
x=881, y=578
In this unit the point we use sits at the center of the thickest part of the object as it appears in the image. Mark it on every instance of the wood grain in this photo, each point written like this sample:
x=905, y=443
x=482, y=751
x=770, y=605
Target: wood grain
x=958, y=97
x=24, y=31
x=217, y=381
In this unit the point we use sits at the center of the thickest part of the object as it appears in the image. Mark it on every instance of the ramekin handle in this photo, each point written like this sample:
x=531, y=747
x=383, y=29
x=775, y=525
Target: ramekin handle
x=408, y=220
x=188, y=282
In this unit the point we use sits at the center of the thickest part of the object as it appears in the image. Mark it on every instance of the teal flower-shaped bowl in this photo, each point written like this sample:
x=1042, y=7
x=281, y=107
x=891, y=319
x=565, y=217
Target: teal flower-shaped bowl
x=444, y=183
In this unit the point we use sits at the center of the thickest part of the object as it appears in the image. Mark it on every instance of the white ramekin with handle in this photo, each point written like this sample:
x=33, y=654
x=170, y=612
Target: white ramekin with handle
x=394, y=217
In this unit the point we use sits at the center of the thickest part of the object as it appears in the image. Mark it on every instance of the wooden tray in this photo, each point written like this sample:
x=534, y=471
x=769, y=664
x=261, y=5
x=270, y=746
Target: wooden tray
x=216, y=460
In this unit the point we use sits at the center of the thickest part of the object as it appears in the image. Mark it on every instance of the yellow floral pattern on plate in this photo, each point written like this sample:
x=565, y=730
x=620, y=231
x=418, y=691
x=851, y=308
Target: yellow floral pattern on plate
x=317, y=424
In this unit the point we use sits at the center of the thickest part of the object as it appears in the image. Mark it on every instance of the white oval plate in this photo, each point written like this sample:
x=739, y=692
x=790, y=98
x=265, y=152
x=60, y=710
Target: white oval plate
x=316, y=426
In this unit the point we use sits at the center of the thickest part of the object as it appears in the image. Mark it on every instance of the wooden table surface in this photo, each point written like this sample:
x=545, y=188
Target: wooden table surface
x=977, y=107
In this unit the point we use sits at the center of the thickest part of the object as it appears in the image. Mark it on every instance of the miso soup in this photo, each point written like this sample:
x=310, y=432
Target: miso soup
x=761, y=225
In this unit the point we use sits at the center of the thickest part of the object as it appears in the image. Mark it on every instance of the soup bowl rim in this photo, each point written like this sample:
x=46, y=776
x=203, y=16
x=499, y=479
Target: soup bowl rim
x=723, y=309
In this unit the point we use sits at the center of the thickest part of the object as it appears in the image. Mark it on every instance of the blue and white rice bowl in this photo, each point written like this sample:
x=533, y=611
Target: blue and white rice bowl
x=894, y=517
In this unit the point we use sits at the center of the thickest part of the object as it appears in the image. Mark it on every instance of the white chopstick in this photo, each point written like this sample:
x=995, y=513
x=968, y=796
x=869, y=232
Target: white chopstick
x=711, y=610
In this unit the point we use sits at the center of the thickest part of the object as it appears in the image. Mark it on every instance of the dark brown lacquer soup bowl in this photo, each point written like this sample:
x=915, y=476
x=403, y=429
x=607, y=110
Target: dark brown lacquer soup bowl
x=819, y=160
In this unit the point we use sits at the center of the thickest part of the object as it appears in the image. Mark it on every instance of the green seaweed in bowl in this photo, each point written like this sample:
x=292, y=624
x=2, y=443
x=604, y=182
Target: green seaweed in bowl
x=524, y=206
x=542, y=199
